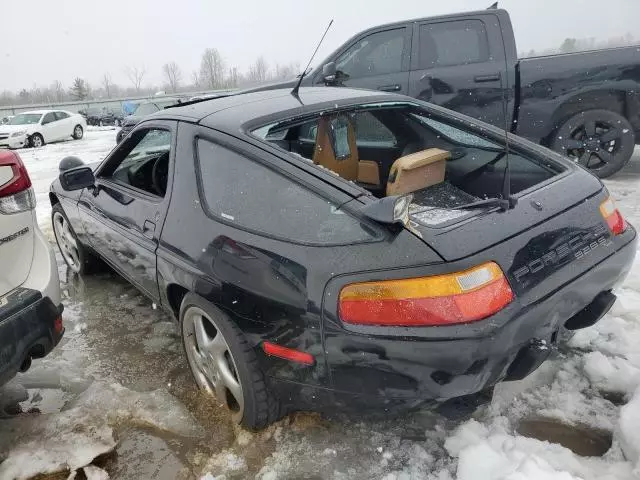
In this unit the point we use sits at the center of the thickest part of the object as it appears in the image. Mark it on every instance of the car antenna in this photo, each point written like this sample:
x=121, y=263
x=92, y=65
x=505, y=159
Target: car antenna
x=493, y=7
x=295, y=90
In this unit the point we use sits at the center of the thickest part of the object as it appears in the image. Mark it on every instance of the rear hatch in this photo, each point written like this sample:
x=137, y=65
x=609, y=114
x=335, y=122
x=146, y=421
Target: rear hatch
x=556, y=225
x=16, y=223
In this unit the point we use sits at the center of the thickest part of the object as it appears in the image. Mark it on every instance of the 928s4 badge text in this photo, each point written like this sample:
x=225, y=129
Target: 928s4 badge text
x=577, y=247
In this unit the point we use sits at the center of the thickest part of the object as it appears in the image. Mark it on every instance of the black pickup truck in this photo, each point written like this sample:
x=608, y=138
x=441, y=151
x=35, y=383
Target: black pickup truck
x=585, y=105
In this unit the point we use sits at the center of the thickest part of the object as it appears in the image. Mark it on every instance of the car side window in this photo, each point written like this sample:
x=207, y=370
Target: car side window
x=251, y=196
x=370, y=131
x=145, y=162
x=376, y=54
x=446, y=44
x=48, y=118
x=61, y=115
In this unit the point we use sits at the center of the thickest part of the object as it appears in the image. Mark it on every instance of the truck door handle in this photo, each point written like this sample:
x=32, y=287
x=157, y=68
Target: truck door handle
x=148, y=229
x=390, y=88
x=492, y=77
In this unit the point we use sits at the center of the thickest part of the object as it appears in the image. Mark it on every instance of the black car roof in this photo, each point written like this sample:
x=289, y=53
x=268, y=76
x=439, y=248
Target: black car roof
x=233, y=112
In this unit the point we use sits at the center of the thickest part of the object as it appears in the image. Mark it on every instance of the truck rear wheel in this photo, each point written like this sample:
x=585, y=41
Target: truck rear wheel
x=600, y=140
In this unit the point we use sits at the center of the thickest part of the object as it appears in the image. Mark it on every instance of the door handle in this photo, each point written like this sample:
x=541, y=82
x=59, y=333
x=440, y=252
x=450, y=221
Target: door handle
x=492, y=77
x=390, y=88
x=148, y=228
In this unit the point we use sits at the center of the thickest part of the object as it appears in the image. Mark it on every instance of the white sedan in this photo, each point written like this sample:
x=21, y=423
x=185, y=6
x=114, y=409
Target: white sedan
x=34, y=129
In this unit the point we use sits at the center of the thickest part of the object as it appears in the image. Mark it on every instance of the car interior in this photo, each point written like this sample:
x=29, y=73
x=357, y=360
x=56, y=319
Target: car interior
x=395, y=151
x=146, y=166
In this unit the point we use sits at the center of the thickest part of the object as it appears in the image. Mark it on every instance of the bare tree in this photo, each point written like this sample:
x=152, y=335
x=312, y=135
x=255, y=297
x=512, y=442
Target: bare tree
x=173, y=74
x=79, y=90
x=286, y=72
x=212, y=69
x=135, y=74
x=234, y=78
x=195, y=79
x=259, y=71
x=107, y=84
x=58, y=90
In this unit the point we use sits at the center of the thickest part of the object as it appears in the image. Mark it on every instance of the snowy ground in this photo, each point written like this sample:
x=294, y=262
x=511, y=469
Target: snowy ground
x=119, y=381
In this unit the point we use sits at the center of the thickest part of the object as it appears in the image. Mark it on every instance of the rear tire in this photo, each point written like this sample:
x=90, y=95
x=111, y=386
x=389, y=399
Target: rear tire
x=227, y=364
x=78, y=132
x=77, y=257
x=36, y=140
x=602, y=141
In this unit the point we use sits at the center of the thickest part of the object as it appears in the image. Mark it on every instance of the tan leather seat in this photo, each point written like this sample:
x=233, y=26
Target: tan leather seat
x=347, y=165
x=417, y=171
x=369, y=173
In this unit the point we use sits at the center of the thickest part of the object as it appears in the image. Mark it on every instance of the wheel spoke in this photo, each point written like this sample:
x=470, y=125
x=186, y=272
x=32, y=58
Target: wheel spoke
x=612, y=134
x=202, y=339
x=584, y=159
x=217, y=347
x=605, y=156
x=74, y=255
x=229, y=380
x=590, y=128
x=68, y=235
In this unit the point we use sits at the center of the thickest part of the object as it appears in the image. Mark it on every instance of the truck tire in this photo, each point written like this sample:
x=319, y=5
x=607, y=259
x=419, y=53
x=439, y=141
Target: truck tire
x=224, y=365
x=602, y=141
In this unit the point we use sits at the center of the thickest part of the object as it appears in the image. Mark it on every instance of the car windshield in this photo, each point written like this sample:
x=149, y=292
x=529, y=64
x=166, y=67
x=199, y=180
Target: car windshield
x=25, y=119
x=145, y=109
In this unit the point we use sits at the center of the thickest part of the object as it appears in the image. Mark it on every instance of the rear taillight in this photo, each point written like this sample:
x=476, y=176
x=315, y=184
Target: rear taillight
x=460, y=297
x=16, y=194
x=613, y=217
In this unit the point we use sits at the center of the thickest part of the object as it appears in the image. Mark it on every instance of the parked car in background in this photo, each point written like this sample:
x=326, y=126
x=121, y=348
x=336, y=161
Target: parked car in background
x=143, y=109
x=584, y=105
x=102, y=116
x=30, y=308
x=34, y=129
x=337, y=249
x=5, y=120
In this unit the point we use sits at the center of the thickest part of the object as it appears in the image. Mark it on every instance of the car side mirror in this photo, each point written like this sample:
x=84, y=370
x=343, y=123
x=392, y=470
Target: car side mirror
x=77, y=178
x=329, y=73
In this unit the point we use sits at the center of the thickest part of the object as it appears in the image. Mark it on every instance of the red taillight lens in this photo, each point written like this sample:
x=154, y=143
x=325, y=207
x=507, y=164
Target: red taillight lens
x=19, y=181
x=429, y=301
x=613, y=217
x=288, y=353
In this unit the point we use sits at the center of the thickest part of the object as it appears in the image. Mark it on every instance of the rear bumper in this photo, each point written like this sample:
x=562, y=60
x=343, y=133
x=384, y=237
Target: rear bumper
x=30, y=327
x=373, y=372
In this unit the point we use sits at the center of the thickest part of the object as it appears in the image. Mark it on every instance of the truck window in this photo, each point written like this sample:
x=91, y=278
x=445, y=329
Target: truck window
x=453, y=43
x=376, y=54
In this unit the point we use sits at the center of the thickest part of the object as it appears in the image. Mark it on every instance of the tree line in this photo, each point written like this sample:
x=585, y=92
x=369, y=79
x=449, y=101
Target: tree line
x=214, y=73
x=572, y=45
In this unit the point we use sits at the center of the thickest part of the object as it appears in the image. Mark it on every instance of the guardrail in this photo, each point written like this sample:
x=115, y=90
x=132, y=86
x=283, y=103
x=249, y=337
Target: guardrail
x=98, y=103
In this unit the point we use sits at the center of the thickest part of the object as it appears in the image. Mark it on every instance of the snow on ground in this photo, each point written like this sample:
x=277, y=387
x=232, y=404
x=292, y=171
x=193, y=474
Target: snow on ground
x=592, y=386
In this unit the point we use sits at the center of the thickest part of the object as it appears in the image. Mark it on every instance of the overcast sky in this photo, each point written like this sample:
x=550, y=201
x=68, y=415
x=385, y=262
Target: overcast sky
x=46, y=40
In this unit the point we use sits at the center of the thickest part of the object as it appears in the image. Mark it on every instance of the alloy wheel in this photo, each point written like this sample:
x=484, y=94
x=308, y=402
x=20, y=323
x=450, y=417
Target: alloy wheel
x=593, y=144
x=66, y=241
x=77, y=132
x=211, y=360
x=36, y=141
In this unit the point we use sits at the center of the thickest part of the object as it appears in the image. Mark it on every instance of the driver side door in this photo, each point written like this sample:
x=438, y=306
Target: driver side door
x=123, y=214
x=378, y=60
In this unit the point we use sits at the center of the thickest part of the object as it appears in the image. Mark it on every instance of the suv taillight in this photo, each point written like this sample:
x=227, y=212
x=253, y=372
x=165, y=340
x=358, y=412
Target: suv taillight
x=16, y=194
